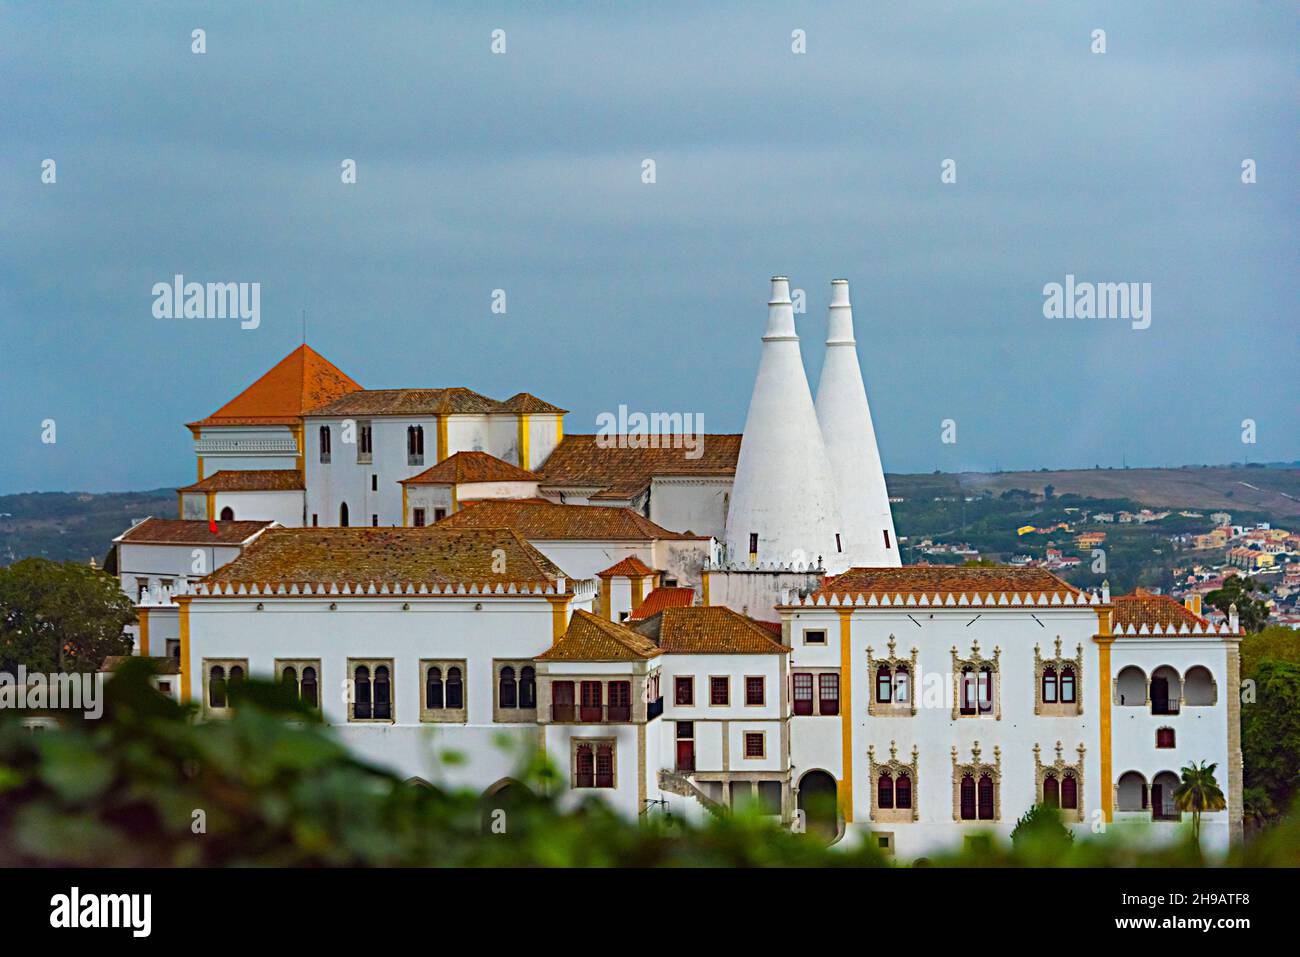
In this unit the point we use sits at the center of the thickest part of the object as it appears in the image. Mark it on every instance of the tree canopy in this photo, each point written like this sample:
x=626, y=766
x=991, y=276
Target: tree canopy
x=60, y=616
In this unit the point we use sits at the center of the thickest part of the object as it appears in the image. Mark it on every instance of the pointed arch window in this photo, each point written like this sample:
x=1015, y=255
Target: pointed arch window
x=1070, y=793
x=884, y=685
x=1067, y=685
x=301, y=677
x=985, y=797
x=372, y=689
x=903, y=792
x=1049, y=685
x=325, y=444
x=967, y=797
x=415, y=445
x=1051, y=791
x=885, y=791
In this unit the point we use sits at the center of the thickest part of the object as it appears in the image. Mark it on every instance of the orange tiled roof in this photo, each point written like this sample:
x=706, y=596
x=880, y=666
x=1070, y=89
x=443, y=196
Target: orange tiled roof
x=665, y=596
x=249, y=480
x=302, y=379
x=621, y=473
x=539, y=520
x=177, y=531
x=945, y=580
x=589, y=638
x=529, y=404
x=449, y=401
x=1144, y=608
x=708, y=630
x=435, y=555
x=470, y=467
x=630, y=567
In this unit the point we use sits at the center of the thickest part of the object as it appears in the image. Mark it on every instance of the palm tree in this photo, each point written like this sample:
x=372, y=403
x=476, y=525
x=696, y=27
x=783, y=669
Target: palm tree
x=1199, y=792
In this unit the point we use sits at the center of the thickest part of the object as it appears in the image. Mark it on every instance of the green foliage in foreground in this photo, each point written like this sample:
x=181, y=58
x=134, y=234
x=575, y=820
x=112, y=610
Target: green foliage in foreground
x=275, y=788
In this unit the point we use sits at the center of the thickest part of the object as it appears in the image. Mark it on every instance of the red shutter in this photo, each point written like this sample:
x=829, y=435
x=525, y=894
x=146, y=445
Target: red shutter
x=828, y=687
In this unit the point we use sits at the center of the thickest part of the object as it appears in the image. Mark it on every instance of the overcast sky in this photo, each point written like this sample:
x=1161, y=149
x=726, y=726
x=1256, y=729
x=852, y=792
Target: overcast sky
x=523, y=171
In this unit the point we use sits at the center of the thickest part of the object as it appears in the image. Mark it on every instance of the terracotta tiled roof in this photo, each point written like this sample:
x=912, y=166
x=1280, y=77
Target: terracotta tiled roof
x=176, y=531
x=546, y=521
x=708, y=630
x=302, y=379
x=470, y=467
x=164, y=665
x=527, y=403
x=410, y=402
x=580, y=462
x=945, y=580
x=1143, y=608
x=435, y=555
x=250, y=480
x=456, y=400
x=630, y=567
x=589, y=638
x=661, y=598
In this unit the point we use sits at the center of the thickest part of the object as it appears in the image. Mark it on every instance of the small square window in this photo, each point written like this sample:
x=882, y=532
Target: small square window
x=817, y=637
x=755, y=744
x=439, y=514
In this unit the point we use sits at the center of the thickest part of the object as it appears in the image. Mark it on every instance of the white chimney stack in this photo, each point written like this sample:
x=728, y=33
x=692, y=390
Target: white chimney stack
x=783, y=509
x=867, y=524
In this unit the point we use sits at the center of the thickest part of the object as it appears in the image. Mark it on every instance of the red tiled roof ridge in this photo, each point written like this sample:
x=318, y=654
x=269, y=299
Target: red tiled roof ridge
x=629, y=567
x=468, y=467
x=302, y=379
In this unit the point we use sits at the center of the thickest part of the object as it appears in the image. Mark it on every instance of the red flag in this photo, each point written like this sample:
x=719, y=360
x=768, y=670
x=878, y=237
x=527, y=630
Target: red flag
x=212, y=525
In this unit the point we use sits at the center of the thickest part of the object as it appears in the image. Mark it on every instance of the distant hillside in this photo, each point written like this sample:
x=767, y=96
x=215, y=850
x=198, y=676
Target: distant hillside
x=78, y=525
x=73, y=526
x=1275, y=491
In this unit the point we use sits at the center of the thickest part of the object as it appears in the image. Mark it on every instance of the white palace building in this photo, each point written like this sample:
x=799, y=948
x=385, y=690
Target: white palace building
x=439, y=571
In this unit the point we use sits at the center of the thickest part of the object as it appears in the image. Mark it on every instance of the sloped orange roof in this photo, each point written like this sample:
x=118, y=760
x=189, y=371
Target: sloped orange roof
x=300, y=381
x=708, y=630
x=666, y=596
x=539, y=520
x=455, y=399
x=435, y=555
x=622, y=470
x=1144, y=608
x=945, y=580
x=249, y=480
x=630, y=567
x=466, y=467
x=589, y=638
x=529, y=404
x=179, y=531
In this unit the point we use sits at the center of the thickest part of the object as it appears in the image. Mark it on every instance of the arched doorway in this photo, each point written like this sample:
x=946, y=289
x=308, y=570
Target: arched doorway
x=227, y=514
x=819, y=804
x=499, y=802
x=343, y=515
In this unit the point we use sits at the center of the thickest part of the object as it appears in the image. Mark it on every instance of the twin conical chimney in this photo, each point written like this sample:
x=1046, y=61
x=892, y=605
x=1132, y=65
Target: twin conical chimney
x=783, y=506
x=867, y=525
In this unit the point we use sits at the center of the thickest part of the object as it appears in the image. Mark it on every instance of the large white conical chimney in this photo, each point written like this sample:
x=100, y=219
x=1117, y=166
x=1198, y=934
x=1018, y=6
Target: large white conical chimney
x=867, y=525
x=783, y=506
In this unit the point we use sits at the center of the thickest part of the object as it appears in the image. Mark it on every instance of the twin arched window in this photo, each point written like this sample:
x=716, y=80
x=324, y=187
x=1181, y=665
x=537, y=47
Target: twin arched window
x=373, y=694
x=894, y=792
x=1058, y=687
x=219, y=681
x=1061, y=794
x=444, y=691
x=517, y=692
x=892, y=686
x=976, y=797
x=977, y=690
x=305, y=686
x=415, y=445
